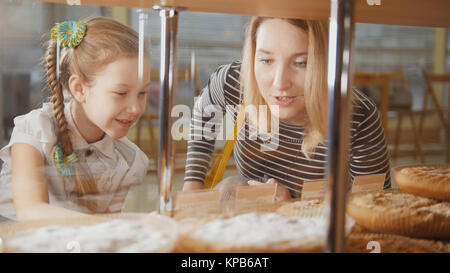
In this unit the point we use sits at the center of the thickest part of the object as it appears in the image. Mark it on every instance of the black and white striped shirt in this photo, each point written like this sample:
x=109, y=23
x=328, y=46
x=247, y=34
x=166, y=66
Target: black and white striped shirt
x=286, y=163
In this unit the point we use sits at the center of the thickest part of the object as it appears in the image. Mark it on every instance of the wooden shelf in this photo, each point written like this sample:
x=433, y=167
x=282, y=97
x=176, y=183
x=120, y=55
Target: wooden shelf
x=433, y=13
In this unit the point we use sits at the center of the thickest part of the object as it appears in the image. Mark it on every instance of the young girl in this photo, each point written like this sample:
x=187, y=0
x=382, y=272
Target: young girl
x=72, y=157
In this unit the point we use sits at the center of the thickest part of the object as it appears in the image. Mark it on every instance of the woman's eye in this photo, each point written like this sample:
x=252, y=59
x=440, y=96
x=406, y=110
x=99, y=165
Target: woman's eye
x=143, y=93
x=120, y=93
x=265, y=60
x=300, y=63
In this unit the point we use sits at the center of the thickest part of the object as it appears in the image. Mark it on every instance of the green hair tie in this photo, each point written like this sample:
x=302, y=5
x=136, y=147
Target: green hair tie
x=69, y=33
x=64, y=163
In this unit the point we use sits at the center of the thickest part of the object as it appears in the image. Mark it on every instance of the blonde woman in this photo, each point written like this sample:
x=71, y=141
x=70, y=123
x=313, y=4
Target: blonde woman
x=284, y=67
x=71, y=157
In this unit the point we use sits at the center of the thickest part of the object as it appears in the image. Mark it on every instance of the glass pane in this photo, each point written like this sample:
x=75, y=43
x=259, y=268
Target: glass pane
x=402, y=53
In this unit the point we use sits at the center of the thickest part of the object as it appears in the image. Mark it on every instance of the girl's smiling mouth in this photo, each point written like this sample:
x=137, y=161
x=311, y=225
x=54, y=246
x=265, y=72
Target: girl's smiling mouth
x=126, y=123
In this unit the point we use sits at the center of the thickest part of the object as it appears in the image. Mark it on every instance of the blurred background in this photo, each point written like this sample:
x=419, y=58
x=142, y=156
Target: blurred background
x=395, y=61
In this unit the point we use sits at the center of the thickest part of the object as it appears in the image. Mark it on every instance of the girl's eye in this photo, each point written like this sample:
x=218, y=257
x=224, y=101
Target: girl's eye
x=120, y=93
x=143, y=93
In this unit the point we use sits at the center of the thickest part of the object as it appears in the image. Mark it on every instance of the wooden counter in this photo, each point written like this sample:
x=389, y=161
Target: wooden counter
x=433, y=13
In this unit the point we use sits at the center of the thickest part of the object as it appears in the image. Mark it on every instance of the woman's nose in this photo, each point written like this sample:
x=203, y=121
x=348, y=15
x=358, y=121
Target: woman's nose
x=282, y=78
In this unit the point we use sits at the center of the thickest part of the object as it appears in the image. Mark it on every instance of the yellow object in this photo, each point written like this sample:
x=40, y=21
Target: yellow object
x=215, y=174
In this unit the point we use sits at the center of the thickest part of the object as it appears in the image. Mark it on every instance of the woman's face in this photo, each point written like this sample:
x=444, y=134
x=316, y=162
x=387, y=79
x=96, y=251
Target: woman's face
x=117, y=97
x=280, y=68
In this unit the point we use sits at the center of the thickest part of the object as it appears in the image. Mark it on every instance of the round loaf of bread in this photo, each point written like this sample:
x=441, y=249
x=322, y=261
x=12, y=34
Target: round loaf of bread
x=149, y=233
x=426, y=181
x=401, y=213
x=257, y=232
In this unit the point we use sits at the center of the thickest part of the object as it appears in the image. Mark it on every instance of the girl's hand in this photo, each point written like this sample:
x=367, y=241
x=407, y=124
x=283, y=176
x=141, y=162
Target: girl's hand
x=281, y=194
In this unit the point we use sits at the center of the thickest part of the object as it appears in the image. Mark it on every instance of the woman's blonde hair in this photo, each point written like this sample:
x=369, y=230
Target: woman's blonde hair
x=315, y=78
x=106, y=40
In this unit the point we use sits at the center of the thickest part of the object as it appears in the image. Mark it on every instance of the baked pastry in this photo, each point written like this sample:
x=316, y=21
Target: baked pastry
x=426, y=181
x=389, y=243
x=401, y=213
x=257, y=232
x=313, y=207
x=110, y=236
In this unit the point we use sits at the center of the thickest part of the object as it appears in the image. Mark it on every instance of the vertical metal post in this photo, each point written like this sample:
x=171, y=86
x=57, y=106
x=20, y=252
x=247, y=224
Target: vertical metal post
x=143, y=17
x=2, y=108
x=122, y=15
x=339, y=111
x=168, y=80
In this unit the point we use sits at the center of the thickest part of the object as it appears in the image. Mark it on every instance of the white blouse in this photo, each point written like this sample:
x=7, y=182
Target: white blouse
x=114, y=165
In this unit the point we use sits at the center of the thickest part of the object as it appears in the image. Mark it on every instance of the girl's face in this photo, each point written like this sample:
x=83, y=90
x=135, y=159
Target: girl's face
x=280, y=68
x=116, y=99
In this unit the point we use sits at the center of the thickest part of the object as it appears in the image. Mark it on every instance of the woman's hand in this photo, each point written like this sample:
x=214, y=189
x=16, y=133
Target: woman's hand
x=281, y=194
x=192, y=185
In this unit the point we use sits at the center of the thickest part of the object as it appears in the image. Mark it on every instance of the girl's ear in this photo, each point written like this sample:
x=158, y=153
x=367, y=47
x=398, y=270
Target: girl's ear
x=77, y=89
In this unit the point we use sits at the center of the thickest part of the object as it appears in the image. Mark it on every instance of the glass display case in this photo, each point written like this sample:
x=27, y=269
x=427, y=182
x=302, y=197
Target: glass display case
x=392, y=51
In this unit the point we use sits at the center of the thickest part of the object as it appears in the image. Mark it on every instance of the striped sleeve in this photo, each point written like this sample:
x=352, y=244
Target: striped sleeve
x=206, y=121
x=369, y=154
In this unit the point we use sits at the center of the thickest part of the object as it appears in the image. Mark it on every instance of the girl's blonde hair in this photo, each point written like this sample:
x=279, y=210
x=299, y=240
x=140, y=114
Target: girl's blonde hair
x=315, y=78
x=106, y=40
